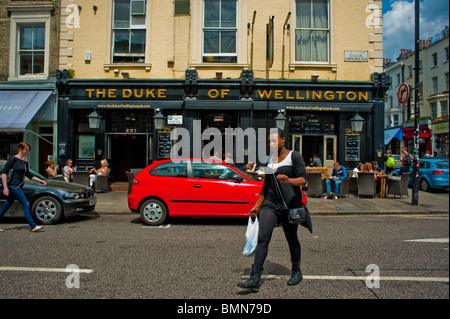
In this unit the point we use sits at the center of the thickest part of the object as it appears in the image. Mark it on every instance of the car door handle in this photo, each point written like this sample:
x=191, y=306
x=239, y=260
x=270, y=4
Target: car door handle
x=197, y=186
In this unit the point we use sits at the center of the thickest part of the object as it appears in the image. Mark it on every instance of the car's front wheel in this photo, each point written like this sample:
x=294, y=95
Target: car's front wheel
x=424, y=185
x=153, y=212
x=47, y=210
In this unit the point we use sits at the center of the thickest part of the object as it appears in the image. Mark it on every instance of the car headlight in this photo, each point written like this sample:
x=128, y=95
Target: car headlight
x=72, y=195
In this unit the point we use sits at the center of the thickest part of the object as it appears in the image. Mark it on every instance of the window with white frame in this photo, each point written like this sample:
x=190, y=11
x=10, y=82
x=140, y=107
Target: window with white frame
x=434, y=59
x=434, y=81
x=129, y=31
x=312, y=31
x=31, y=49
x=446, y=54
x=220, y=31
x=444, y=108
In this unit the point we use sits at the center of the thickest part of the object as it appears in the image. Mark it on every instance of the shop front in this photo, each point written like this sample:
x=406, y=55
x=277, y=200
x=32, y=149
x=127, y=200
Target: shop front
x=440, y=130
x=317, y=120
x=424, y=137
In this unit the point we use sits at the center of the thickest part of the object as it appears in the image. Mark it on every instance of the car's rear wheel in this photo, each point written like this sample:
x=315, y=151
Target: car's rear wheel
x=47, y=210
x=153, y=212
x=424, y=185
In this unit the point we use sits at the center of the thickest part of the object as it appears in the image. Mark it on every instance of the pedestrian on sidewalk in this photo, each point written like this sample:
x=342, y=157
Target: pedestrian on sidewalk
x=12, y=187
x=289, y=171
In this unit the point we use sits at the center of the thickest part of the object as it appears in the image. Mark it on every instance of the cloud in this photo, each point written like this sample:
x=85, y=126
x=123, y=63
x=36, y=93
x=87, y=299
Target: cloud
x=399, y=24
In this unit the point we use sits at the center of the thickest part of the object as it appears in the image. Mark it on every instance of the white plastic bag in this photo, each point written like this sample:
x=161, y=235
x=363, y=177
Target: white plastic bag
x=251, y=237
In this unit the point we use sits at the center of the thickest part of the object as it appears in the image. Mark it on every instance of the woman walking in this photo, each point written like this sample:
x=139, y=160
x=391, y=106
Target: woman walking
x=287, y=168
x=12, y=189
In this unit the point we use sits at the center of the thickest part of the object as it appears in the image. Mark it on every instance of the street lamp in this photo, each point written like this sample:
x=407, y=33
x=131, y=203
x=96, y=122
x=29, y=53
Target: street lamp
x=280, y=119
x=357, y=123
x=159, y=120
x=94, y=120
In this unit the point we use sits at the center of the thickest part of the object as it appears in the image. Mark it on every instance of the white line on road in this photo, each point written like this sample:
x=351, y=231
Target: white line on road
x=156, y=227
x=37, y=269
x=387, y=278
x=429, y=240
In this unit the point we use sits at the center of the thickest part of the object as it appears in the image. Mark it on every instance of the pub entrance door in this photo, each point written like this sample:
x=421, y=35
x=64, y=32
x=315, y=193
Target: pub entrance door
x=323, y=145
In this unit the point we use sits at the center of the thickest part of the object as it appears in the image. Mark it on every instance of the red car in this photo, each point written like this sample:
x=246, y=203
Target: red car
x=192, y=188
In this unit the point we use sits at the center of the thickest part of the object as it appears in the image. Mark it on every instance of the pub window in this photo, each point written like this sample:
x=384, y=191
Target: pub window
x=129, y=31
x=220, y=31
x=31, y=50
x=182, y=7
x=86, y=146
x=312, y=31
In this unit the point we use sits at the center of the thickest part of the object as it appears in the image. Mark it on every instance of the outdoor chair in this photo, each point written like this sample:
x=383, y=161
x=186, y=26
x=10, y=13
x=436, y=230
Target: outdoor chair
x=367, y=185
x=102, y=182
x=344, y=188
x=315, y=184
x=398, y=186
x=353, y=185
x=81, y=177
x=130, y=177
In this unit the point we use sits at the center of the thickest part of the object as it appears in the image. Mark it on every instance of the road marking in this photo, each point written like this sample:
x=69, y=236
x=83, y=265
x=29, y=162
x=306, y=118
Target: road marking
x=37, y=269
x=155, y=227
x=386, y=278
x=429, y=240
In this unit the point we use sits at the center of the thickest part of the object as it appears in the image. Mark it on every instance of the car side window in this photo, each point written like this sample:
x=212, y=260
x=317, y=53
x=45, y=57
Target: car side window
x=210, y=170
x=170, y=169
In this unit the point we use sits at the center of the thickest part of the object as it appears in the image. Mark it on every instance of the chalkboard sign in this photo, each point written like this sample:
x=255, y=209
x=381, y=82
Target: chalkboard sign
x=352, y=147
x=164, y=145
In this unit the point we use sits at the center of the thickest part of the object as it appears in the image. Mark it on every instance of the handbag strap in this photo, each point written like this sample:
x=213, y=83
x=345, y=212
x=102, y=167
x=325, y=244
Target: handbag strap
x=281, y=193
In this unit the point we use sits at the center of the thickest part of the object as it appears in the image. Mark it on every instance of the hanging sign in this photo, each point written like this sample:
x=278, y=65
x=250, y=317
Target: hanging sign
x=403, y=93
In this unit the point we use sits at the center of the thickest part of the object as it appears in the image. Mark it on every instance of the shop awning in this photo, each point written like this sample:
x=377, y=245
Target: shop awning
x=17, y=108
x=393, y=133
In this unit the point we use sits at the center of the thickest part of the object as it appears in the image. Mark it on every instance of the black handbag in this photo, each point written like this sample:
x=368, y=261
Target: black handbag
x=295, y=215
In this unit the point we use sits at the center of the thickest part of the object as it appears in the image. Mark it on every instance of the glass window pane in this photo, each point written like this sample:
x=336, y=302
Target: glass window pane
x=228, y=14
x=138, y=7
x=26, y=63
x=38, y=62
x=39, y=40
x=170, y=169
x=228, y=42
x=26, y=37
x=302, y=45
x=121, y=41
x=121, y=13
x=319, y=50
x=320, y=14
x=212, y=10
x=211, y=41
x=303, y=9
x=182, y=6
x=137, y=41
x=86, y=146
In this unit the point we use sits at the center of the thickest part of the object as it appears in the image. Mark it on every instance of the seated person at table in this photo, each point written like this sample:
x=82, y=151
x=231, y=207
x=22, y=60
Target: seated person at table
x=315, y=161
x=339, y=173
x=68, y=170
x=357, y=169
x=103, y=170
x=51, y=169
x=378, y=171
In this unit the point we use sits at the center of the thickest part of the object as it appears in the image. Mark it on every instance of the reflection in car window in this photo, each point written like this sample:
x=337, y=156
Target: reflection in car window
x=170, y=169
x=209, y=170
x=442, y=165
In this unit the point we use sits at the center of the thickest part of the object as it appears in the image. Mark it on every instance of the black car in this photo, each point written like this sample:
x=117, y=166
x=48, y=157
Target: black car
x=54, y=201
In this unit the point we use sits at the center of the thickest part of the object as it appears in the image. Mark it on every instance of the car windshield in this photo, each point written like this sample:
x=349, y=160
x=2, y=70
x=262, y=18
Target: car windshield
x=442, y=164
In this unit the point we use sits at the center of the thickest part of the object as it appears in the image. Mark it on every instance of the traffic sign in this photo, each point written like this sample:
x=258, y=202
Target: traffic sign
x=403, y=93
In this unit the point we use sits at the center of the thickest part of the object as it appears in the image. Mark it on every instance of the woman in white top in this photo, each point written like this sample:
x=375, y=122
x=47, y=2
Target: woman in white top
x=357, y=169
x=103, y=170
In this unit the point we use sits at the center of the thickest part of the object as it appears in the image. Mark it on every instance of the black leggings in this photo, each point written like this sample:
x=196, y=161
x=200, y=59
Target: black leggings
x=267, y=221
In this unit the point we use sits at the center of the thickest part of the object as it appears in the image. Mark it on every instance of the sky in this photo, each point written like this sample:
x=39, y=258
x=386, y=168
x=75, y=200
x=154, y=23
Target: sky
x=399, y=23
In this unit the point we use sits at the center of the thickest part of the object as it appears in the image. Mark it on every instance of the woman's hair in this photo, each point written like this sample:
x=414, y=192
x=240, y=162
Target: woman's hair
x=104, y=162
x=22, y=146
x=69, y=160
x=279, y=132
x=50, y=162
x=250, y=165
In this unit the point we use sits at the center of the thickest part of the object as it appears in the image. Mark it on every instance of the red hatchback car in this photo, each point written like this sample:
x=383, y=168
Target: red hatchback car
x=192, y=188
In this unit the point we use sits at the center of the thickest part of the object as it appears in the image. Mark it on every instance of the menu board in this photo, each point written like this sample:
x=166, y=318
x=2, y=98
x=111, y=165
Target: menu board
x=164, y=145
x=352, y=147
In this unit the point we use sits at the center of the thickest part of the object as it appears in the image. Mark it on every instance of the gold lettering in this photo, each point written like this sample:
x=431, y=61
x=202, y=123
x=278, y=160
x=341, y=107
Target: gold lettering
x=213, y=93
x=288, y=97
x=149, y=92
x=111, y=93
x=126, y=93
x=224, y=92
x=89, y=91
x=162, y=93
x=101, y=93
x=141, y=93
x=340, y=94
x=264, y=93
x=316, y=94
x=329, y=95
x=297, y=95
x=278, y=94
x=350, y=93
x=364, y=95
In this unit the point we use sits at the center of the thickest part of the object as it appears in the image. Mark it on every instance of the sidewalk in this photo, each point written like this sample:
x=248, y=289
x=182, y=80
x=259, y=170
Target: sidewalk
x=115, y=202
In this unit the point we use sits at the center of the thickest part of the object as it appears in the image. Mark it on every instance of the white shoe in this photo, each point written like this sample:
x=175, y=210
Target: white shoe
x=335, y=197
x=37, y=228
x=1, y=230
x=325, y=197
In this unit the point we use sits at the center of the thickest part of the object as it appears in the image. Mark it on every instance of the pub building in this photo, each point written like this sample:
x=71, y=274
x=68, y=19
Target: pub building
x=317, y=117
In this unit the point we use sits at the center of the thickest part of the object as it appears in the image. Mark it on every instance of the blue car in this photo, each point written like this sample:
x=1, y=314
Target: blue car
x=433, y=173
